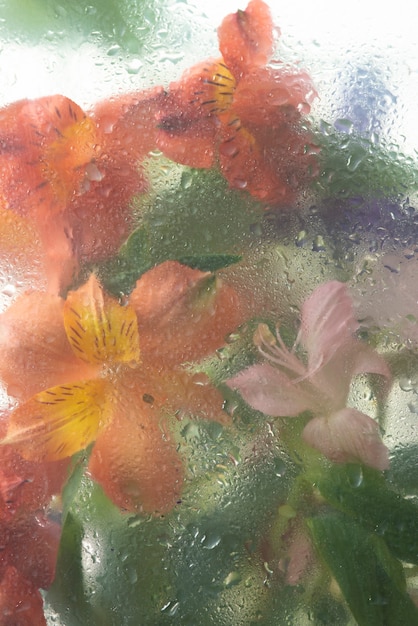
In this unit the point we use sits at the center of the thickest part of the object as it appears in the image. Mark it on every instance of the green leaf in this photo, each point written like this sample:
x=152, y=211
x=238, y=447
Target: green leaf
x=352, y=165
x=215, y=222
x=212, y=219
x=68, y=594
x=364, y=494
x=209, y=262
x=105, y=22
x=370, y=578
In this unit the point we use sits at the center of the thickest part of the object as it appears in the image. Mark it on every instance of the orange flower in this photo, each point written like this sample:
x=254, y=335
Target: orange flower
x=242, y=112
x=74, y=175
x=29, y=539
x=121, y=399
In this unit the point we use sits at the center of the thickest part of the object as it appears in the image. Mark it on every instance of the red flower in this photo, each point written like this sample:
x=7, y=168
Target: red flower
x=74, y=175
x=243, y=113
x=113, y=374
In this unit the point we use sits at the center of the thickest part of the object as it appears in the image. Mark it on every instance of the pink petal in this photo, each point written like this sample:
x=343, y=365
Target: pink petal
x=348, y=435
x=270, y=391
x=300, y=556
x=334, y=378
x=368, y=361
x=327, y=322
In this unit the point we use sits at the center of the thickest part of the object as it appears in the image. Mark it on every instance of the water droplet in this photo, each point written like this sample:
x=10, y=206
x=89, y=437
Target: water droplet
x=355, y=476
x=171, y=608
x=301, y=238
x=406, y=384
x=232, y=579
x=186, y=180
x=413, y=406
x=210, y=541
x=318, y=244
x=343, y=125
x=201, y=379
x=113, y=50
x=279, y=467
x=134, y=66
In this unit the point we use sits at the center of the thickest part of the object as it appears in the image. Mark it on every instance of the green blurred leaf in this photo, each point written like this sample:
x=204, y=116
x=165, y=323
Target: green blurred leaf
x=370, y=578
x=119, y=275
x=68, y=594
x=212, y=219
x=215, y=223
x=209, y=262
x=102, y=21
x=364, y=494
x=352, y=165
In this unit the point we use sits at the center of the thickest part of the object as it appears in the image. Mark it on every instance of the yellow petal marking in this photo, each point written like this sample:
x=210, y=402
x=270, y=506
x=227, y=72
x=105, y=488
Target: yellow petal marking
x=99, y=329
x=60, y=421
x=65, y=160
x=219, y=87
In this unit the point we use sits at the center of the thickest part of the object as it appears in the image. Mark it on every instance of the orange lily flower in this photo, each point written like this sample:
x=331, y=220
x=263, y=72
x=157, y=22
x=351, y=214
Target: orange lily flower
x=121, y=398
x=243, y=113
x=74, y=174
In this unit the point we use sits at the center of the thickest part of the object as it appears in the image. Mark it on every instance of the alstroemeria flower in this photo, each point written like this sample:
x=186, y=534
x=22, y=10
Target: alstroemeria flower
x=104, y=389
x=243, y=113
x=285, y=385
x=75, y=174
x=29, y=538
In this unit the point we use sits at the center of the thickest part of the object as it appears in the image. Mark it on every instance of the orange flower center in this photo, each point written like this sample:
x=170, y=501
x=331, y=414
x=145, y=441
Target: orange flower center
x=65, y=159
x=220, y=87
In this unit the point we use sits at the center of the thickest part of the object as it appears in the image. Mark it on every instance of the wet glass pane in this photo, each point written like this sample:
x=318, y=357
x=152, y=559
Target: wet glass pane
x=208, y=313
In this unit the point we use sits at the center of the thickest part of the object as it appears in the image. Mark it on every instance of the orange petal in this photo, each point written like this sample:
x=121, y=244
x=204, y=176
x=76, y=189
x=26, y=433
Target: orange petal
x=34, y=350
x=264, y=97
x=128, y=124
x=187, y=129
x=60, y=421
x=271, y=163
x=183, y=314
x=101, y=217
x=134, y=459
x=246, y=38
x=33, y=548
x=99, y=329
x=21, y=250
x=26, y=486
x=20, y=600
x=193, y=396
x=46, y=145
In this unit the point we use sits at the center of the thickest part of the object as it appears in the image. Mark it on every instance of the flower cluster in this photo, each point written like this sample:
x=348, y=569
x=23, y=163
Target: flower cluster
x=108, y=374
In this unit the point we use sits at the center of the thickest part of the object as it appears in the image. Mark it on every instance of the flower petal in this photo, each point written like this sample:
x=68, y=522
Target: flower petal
x=13, y=588
x=101, y=217
x=183, y=314
x=60, y=421
x=21, y=250
x=99, y=329
x=33, y=548
x=45, y=146
x=187, y=128
x=367, y=361
x=268, y=390
x=27, y=486
x=274, y=96
x=327, y=323
x=256, y=160
x=34, y=350
x=246, y=38
x=348, y=435
x=134, y=459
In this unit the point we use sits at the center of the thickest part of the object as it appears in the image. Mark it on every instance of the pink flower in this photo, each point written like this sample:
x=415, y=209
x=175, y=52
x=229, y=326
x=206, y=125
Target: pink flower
x=284, y=385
